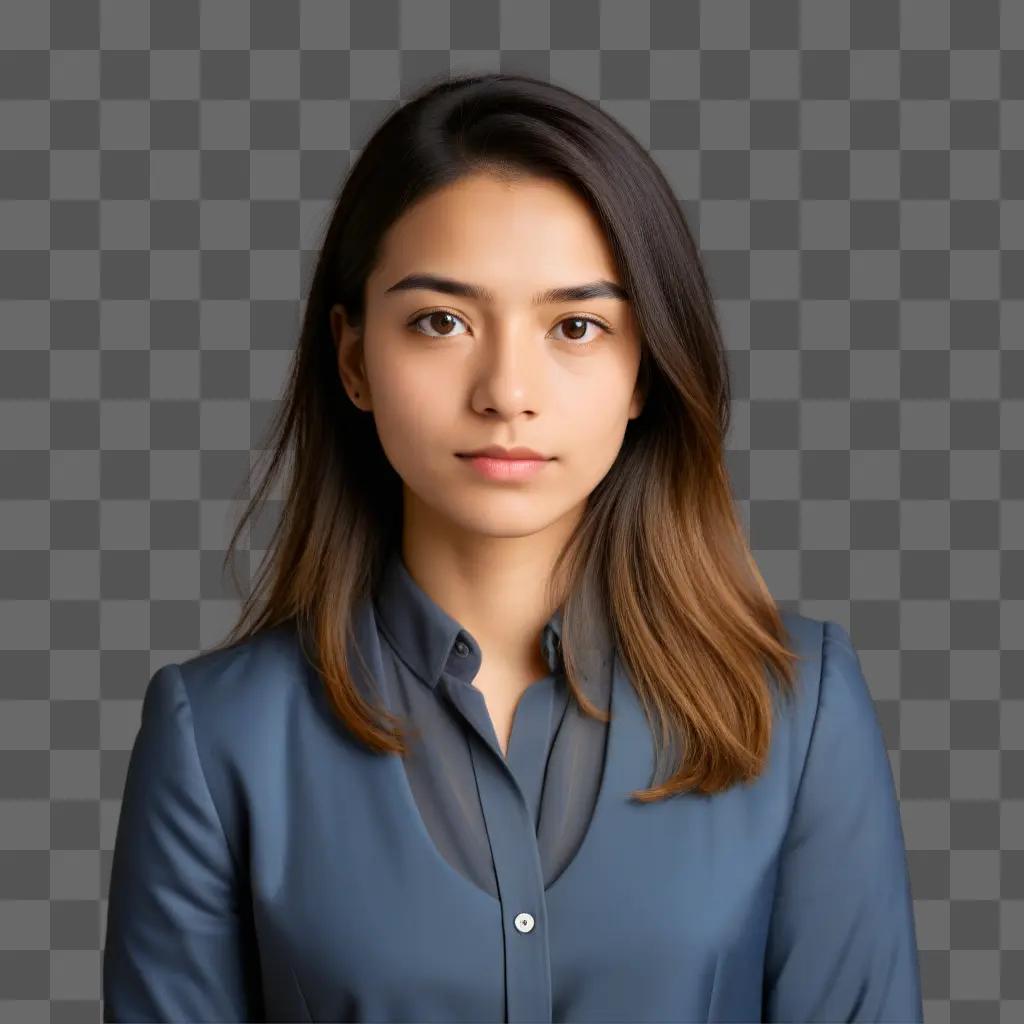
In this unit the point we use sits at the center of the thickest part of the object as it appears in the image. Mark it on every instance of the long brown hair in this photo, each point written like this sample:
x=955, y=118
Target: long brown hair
x=659, y=542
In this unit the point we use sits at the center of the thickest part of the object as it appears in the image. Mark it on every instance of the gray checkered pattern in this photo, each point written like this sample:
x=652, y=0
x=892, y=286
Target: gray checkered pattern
x=854, y=170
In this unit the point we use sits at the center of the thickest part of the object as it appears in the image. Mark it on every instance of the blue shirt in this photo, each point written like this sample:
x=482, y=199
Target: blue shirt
x=266, y=866
x=555, y=752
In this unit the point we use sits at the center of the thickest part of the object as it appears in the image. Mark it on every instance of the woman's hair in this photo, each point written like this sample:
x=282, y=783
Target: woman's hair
x=659, y=542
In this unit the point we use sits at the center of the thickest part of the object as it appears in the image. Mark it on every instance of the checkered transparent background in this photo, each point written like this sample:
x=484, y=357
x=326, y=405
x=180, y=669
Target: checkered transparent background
x=854, y=172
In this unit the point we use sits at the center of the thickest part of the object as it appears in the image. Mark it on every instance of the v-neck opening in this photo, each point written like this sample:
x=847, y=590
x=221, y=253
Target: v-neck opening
x=610, y=752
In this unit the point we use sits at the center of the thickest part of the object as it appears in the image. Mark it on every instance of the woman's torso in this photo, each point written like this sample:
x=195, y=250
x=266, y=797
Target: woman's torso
x=660, y=911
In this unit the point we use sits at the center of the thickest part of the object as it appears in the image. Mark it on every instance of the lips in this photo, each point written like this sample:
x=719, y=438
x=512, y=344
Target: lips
x=496, y=451
x=505, y=470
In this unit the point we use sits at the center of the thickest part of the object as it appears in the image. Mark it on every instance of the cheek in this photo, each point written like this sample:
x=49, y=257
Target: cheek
x=413, y=421
x=594, y=415
x=407, y=395
x=593, y=433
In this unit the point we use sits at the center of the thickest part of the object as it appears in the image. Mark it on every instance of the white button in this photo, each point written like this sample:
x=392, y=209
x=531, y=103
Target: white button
x=524, y=922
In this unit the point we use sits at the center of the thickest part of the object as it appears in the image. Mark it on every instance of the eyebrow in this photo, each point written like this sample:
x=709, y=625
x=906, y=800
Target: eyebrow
x=601, y=289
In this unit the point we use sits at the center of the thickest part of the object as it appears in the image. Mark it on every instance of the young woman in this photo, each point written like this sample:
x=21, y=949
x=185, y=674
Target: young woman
x=507, y=735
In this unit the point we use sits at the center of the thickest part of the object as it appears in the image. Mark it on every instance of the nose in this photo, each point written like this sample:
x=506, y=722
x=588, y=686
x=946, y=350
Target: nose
x=509, y=378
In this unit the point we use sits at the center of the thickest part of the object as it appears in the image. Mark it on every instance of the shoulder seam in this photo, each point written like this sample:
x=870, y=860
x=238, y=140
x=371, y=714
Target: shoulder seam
x=177, y=673
x=803, y=770
x=814, y=724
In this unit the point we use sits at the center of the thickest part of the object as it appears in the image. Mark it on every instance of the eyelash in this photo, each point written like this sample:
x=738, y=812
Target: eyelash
x=569, y=341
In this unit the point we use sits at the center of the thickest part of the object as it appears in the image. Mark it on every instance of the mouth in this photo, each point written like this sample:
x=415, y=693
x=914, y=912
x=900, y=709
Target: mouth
x=504, y=468
x=505, y=458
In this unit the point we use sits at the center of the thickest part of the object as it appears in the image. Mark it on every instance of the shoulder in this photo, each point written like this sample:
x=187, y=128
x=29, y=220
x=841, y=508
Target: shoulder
x=267, y=661
x=829, y=667
x=231, y=696
x=248, y=683
x=216, y=725
x=833, y=717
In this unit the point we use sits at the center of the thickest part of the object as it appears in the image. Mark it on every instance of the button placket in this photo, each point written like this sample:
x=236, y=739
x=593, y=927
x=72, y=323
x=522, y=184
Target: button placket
x=517, y=866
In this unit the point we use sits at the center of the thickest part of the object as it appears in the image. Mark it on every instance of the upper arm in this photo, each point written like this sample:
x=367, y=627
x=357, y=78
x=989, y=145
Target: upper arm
x=177, y=946
x=842, y=943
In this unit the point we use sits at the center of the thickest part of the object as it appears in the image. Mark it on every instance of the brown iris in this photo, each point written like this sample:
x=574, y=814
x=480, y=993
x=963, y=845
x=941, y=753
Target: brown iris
x=440, y=313
x=576, y=320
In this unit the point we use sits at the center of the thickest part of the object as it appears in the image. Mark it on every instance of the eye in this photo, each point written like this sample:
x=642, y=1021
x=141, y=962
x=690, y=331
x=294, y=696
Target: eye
x=443, y=318
x=576, y=321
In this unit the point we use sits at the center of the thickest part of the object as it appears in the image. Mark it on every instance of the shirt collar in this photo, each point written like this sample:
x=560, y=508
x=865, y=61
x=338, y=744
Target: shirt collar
x=427, y=638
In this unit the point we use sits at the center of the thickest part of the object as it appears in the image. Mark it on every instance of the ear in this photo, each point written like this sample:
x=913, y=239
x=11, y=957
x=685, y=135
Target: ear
x=643, y=381
x=348, y=346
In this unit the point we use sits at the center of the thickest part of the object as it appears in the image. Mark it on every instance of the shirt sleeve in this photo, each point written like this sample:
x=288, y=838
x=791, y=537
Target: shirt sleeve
x=175, y=940
x=841, y=941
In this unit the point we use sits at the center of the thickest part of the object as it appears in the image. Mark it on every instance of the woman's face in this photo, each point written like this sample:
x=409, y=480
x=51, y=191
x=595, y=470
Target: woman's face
x=445, y=372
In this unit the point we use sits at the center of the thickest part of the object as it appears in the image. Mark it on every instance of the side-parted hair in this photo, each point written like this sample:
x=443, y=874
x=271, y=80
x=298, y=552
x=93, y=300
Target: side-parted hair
x=660, y=543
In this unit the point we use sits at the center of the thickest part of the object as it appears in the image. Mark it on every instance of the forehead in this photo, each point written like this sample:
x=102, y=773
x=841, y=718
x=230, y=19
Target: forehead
x=514, y=237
